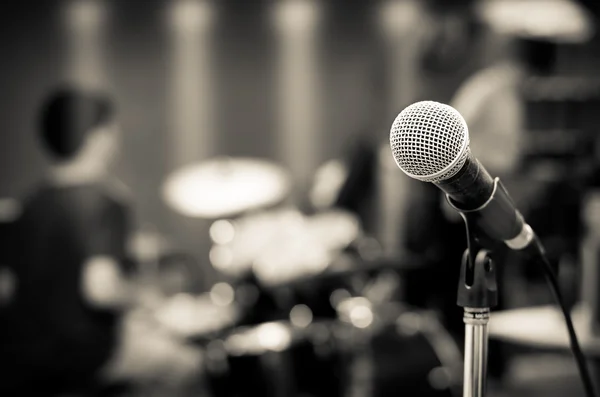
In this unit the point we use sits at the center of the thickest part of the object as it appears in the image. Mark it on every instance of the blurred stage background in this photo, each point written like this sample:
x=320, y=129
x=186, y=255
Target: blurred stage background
x=312, y=87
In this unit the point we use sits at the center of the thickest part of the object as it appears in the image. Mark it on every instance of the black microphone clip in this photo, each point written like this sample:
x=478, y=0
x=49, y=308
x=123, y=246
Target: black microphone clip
x=477, y=286
x=486, y=227
x=496, y=218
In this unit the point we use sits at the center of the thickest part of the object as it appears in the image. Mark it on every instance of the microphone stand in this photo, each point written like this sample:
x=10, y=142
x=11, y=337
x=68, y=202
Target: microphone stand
x=477, y=294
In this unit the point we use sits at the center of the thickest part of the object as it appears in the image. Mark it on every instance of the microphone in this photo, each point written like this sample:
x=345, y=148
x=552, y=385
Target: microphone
x=430, y=143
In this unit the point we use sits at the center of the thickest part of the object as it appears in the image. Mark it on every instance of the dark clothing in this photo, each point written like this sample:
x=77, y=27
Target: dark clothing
x=49, y=332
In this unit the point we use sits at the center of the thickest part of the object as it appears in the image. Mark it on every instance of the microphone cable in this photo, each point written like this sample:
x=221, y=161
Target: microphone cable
x=580, y=359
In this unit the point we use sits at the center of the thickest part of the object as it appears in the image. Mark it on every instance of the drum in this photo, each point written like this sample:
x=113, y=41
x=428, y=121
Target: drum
x=396, y=350
x=280, y=257
x=366, y=352
x=276, y=359
x=415, y=355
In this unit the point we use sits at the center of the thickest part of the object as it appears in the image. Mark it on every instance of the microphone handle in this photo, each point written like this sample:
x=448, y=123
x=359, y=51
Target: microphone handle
x=471, y=187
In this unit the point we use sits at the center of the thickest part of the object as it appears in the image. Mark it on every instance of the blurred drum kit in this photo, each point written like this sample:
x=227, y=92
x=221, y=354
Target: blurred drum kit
x=306, y=308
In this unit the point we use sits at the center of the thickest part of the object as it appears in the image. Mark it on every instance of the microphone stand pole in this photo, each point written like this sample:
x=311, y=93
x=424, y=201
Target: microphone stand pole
x=477, y=293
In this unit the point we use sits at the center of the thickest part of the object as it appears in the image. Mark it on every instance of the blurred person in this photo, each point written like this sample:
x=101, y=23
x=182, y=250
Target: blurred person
x=493, y=102
x=487, y=72
x=491, y=99
x=66, y=279
x=453, y=48
x=450, y=42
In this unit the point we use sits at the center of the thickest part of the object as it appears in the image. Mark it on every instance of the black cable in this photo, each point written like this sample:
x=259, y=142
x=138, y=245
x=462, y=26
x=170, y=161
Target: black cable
x=575, y=348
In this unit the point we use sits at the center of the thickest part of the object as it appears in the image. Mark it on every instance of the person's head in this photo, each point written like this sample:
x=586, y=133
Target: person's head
x=78, y=127
x=454, y=32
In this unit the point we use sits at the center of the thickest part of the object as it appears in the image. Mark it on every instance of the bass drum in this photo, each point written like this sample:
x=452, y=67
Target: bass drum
x=413, y=356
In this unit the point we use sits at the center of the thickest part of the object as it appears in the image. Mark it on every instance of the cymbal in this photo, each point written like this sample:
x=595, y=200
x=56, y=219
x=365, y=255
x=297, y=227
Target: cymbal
x=224, y=186
x=550, y=20
x=543, y=327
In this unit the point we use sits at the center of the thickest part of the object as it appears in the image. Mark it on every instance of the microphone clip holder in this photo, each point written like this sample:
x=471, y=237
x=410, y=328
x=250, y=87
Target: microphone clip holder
x=478, y=287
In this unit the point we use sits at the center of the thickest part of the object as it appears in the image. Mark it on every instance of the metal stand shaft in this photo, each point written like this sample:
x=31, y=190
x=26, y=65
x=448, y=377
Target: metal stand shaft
x=477, y=293
x=476, y=350
x=486, y=227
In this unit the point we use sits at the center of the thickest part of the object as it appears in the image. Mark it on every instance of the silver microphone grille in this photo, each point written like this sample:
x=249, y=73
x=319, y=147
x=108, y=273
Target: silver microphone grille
x=429, y=141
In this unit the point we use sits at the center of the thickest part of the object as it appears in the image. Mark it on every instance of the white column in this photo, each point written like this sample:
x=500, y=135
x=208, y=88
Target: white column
x=191, y=94
x=399, y=23
x=85, y=22
x=299, y=94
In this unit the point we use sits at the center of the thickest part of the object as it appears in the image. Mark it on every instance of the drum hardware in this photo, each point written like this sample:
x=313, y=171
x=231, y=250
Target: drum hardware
x=321, y=354
x=369, y=348
x=278, y=256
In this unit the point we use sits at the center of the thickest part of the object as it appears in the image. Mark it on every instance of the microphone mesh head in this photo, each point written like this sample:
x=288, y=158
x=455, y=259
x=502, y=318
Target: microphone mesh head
x=430, y=141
